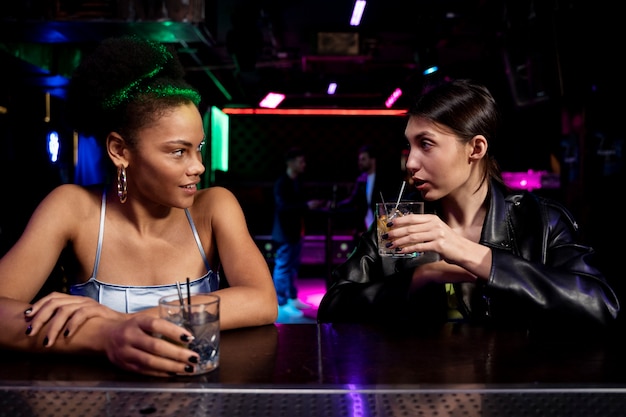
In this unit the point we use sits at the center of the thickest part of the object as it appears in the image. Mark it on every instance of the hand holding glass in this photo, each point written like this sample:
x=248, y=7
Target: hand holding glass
x=386, y=212
x=201, y=316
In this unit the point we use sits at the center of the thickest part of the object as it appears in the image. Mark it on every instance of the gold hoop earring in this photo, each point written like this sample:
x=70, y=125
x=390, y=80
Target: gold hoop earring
x=122, y=185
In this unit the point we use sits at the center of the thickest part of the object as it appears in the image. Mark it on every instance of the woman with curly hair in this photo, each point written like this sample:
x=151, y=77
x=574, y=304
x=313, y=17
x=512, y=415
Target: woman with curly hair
x=133, y=240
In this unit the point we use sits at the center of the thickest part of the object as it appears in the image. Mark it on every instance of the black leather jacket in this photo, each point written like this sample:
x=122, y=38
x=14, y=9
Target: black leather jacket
x=541, y=276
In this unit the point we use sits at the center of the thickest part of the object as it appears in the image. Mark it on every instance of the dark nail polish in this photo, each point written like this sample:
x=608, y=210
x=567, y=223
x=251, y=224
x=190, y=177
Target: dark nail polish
x=388, y=244
x=193, y=359
x=390, y=224
x=29, y=329
x=185, y=338
x=189, y=369
x=45, y=341
x=66, y=333
x=398, y=249
x=385, y=236
x=28, y=311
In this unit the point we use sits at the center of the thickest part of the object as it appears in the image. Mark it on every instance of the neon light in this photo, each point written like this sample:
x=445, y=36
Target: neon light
x=431, y=70
x=531, y=180
x=317, y=112
x=272, y=100
x=393, y=97
x=219, y=141
x=332, y=87
x=357, y=13
x=53, y=146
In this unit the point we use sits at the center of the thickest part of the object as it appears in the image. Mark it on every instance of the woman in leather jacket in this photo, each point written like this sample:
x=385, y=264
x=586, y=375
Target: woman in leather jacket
x=489, y=255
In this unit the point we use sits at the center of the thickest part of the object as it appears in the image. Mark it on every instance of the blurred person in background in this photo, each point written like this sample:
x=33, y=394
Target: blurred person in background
x=367, y=190
x=290, y=208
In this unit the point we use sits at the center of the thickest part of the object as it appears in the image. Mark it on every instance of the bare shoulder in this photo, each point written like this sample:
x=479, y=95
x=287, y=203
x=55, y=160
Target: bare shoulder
x=73, y=196
x=72, y=202
x=212, y=203
x=214, y=197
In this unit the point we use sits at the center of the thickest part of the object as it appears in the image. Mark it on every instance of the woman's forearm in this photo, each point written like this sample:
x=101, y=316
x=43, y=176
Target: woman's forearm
x=16, y=335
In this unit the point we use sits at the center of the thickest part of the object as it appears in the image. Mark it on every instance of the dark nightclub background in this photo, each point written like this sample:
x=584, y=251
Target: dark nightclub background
x=542, y=60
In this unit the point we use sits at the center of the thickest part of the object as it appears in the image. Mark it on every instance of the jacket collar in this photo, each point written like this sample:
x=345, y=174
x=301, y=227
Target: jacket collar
x=495, y=227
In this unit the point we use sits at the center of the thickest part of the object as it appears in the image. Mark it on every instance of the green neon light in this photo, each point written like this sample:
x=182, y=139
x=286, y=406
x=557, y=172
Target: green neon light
x=205, y=180
x=219, y=141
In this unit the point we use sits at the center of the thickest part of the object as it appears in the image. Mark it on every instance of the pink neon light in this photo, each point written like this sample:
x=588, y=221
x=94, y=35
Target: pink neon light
x=393, y=97
x=316, y=112
x=272, y=100
x=530, y=180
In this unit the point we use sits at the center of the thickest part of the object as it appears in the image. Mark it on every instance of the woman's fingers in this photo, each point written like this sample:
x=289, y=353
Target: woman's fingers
x=59, y=313
x=139, y=343
x=151, y=346
x=415, y=233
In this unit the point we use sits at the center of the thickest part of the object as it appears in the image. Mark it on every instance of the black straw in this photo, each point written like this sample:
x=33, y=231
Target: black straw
x=182, y=302
x=188, y=293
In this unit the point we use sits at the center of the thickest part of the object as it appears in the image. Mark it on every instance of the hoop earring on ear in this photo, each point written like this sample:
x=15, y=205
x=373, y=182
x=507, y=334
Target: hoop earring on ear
x=122, y=185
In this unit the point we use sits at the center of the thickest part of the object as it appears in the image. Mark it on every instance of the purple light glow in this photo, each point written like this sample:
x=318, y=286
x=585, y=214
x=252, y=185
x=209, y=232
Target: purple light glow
x=531, y=180
x=311, y=291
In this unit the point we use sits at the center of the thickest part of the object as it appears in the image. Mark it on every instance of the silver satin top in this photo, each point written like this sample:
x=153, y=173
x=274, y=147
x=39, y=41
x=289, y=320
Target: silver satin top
x=134, y=298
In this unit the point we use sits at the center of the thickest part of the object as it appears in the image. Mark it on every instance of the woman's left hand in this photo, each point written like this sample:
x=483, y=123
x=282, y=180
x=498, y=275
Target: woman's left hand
x=440, y=272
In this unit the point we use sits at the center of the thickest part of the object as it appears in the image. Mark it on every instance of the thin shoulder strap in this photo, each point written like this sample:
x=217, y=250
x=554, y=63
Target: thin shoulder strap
x=103, y=208
x=195, y=236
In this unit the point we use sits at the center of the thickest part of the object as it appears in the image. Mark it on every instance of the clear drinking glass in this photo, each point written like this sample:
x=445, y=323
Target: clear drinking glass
x=201, y=316
x=386, y=212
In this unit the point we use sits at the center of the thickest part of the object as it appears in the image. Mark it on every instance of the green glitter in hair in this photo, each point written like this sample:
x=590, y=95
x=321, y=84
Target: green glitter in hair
x=126, y=93
x=170, y=91
x=135, y=88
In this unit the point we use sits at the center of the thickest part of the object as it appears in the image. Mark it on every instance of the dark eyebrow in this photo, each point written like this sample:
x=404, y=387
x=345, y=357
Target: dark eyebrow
x=179, y=142
x=419, y=135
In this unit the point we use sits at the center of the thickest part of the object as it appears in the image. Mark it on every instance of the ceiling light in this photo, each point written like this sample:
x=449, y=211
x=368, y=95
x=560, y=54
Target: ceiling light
x=431, y=70
x=357, y=13
x=272, y=100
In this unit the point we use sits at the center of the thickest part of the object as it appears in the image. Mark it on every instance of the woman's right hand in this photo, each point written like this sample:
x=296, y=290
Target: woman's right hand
x=59, y=313
x=131, y=342
x=140, y=344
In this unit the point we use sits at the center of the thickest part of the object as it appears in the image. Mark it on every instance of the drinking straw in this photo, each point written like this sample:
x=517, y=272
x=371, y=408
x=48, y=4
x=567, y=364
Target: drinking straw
x=188, y=293
x=180, y=298
x=180, y=294
x=382, y=199
x=400, y=195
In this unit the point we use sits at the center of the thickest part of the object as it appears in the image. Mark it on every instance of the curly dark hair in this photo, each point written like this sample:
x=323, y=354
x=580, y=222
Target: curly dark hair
x=125, y=84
